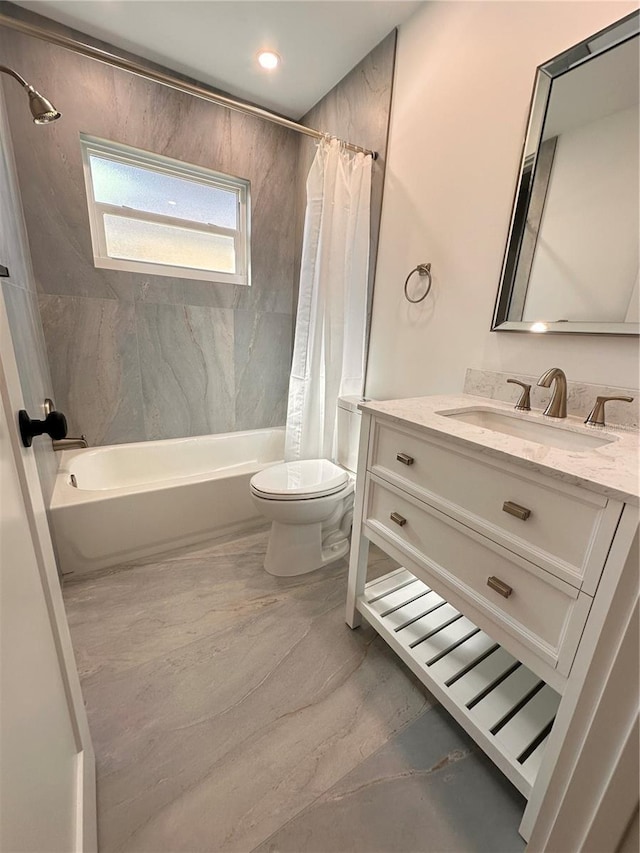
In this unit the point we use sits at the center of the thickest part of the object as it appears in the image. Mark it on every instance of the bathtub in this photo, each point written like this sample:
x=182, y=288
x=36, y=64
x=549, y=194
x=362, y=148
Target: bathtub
x=136, y=500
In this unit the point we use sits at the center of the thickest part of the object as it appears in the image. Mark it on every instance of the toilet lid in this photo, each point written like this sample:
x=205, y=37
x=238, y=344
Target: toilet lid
x=308, y=478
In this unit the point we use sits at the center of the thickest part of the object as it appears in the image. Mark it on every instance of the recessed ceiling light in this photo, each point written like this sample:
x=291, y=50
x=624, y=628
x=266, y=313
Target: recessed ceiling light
x=268, y=59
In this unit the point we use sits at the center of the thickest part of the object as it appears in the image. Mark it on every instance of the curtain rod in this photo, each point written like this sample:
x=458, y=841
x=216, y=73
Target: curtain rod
x=164, y=77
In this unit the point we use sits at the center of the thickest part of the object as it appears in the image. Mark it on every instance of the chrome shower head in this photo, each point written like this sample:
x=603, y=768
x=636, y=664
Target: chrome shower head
x=42, y=109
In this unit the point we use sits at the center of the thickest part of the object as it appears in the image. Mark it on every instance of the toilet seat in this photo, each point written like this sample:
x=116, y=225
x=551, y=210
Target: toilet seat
x=309, y=478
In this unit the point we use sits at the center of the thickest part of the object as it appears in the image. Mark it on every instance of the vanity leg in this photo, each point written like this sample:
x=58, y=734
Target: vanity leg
x=359, y=558
x=357, y=577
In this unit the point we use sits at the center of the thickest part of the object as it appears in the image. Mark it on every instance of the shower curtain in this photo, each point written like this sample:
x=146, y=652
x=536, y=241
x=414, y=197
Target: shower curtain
x=328, y=352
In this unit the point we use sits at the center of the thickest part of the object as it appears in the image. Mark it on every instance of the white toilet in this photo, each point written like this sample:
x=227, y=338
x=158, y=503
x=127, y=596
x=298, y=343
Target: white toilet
x=311, y=503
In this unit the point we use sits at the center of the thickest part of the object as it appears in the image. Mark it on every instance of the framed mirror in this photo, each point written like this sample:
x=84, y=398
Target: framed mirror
x=572, y=258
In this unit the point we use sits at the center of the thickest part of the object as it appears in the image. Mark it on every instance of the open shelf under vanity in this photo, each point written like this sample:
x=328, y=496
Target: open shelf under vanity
x=504, y=706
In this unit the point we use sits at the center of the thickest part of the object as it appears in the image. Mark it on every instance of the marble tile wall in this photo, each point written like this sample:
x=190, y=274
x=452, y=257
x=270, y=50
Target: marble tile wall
x=190, y=389
x=137, y=357
x=21, y=303
x=357, y=109
x=93, y=354
x=581, y=396
x=263, y=336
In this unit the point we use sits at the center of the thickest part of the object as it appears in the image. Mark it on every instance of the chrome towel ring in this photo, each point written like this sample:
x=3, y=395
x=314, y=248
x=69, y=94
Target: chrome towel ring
x=422, y=270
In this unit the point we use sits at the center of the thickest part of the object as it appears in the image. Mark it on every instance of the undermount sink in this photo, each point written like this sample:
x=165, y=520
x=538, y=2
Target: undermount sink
x=552, y=435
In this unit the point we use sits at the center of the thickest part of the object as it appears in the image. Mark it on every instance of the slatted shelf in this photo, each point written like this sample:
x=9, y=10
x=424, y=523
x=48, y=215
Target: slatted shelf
x=505, y=707
x=388, y=583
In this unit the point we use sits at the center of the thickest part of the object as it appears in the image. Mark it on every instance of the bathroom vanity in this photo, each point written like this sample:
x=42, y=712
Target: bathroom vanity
x=513, y=532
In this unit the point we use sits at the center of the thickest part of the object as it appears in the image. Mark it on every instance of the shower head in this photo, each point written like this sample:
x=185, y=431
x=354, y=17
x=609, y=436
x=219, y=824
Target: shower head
x=41, y=108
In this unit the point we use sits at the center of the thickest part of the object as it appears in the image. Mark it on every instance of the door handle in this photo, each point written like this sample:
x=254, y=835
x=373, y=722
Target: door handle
x=55, y=425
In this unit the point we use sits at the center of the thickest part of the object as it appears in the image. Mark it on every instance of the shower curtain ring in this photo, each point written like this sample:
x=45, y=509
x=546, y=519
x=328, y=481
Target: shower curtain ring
x=422, y=270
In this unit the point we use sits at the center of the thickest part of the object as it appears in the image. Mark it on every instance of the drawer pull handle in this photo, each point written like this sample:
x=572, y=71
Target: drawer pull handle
x=499, y=586
x=399, y=519
x=520, y=512
x=405, y=458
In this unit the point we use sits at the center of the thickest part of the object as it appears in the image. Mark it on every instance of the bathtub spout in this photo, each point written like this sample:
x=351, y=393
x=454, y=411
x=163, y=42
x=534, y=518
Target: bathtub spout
x=69, y=443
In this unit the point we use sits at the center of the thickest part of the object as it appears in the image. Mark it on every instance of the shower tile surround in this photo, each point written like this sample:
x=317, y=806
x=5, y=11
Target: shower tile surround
x=357, y=109
x=231, y=710
x=137, y=357
x=21, y=303
x=186, y=390
x=117, y=378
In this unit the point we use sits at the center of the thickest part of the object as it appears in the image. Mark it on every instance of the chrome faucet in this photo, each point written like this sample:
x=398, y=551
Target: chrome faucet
x=557, y=407
x=69, y=443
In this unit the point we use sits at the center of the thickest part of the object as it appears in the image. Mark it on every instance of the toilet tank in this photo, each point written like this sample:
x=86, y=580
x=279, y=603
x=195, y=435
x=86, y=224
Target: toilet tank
x=348, y=431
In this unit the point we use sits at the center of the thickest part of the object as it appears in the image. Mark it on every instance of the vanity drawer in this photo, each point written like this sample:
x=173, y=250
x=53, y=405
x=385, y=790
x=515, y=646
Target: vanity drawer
x=541, y=611
x=566, y=531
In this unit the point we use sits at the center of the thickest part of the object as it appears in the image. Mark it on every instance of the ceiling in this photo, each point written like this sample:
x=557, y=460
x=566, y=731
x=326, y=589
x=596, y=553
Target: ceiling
x=216, y=42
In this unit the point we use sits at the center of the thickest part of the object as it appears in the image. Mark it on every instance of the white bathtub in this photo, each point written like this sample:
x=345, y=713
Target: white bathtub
x=135, y=500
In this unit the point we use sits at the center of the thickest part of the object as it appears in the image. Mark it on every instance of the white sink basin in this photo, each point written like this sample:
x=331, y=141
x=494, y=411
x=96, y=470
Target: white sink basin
x=543, y=432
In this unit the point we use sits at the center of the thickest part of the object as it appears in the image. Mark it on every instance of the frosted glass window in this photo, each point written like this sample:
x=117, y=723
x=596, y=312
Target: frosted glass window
x=150, y=214
x=143, y=189
x=167, y=244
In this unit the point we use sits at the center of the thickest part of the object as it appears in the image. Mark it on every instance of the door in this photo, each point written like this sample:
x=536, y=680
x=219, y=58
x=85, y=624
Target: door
x=47, y=775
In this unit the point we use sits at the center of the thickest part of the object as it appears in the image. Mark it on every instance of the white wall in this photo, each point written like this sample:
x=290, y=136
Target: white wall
x=586, y=259
x=464, y=77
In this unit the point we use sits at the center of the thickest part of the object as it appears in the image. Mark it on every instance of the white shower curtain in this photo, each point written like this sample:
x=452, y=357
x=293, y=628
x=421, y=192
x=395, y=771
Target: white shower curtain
x=328, y=353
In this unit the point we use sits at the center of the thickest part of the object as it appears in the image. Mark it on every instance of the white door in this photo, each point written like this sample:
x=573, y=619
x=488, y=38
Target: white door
x=47, y=775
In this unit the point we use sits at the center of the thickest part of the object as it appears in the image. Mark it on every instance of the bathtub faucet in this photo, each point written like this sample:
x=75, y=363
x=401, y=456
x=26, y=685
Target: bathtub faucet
x=69, y=443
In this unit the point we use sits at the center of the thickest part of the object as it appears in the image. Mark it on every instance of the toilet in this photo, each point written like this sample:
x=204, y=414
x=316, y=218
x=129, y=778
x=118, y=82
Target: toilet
x=310, y=502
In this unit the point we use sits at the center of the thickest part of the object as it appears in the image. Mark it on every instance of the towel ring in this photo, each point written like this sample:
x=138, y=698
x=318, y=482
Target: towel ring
x=422, y=270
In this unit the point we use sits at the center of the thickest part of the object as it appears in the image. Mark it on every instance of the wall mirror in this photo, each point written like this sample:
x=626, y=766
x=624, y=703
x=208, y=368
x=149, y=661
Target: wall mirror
x=571, y=262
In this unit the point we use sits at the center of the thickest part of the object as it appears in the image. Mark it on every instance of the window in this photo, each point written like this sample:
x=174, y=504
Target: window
x=152, y=214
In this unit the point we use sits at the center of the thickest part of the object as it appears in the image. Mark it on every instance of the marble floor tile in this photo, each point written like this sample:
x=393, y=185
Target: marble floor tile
x=224, y=702
x=428, y=789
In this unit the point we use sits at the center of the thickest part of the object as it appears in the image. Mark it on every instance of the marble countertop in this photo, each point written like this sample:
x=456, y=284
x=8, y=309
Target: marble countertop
x=612, y=470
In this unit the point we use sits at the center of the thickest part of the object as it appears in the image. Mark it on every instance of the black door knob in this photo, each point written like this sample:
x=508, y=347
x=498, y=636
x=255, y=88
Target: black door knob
x=55, y=425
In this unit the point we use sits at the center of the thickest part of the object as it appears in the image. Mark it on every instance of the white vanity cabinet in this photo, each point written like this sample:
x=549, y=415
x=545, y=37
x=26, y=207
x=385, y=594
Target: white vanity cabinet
x=500, y=567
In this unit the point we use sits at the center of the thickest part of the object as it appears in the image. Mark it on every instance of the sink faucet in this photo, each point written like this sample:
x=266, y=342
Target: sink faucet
x=596, y=415
x=557, y=407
